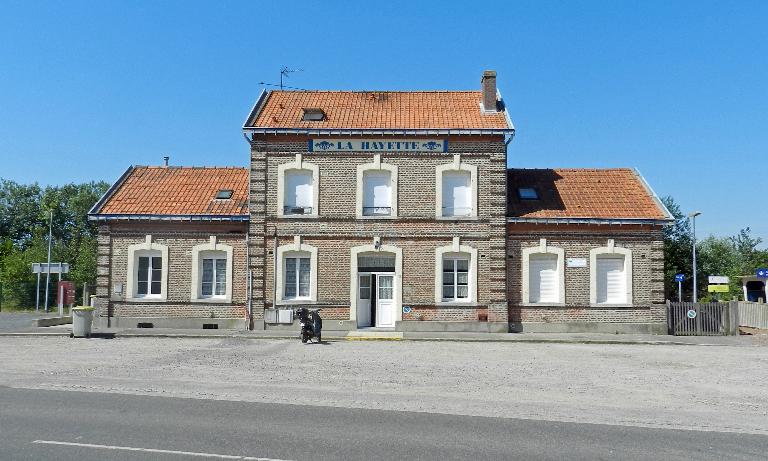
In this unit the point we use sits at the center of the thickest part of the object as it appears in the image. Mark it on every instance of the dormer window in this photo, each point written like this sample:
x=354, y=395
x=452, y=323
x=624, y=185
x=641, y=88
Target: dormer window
x=313, y=115
x=527, y=193
x=224, y=194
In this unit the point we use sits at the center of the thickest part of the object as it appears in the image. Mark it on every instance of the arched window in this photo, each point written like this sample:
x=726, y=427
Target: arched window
x=297, y=272
x=147, y=271
x=456, y=273
x=298, y=189
x=610, y=275
x=456, y=188
x=543, y=274
x=376, y=189
x=212, y=272
x=377, y=193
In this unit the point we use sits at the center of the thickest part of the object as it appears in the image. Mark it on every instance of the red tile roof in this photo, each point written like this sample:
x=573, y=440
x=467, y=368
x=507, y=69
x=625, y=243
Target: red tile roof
x=386, y=110
x=178, y=191
x=582, y=193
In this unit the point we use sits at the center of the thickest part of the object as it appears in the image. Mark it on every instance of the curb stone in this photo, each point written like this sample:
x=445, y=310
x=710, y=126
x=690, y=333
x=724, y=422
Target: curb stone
x=98, y=335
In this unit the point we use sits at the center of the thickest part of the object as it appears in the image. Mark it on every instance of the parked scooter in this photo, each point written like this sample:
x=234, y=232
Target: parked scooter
x=311, y=324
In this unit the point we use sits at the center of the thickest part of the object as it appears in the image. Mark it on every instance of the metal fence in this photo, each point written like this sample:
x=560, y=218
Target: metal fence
x=754, y=315
x=703, y=319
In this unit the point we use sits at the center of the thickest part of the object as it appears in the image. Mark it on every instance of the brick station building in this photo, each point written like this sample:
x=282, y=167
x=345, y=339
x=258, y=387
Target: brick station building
x=383, y=209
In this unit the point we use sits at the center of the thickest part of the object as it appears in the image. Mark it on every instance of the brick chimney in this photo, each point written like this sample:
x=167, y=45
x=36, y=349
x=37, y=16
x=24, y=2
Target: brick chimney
x=488, y=84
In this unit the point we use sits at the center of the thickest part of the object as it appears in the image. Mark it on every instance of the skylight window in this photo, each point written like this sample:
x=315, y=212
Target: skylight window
x=313, y=115
x=528, y=193
x=224, y=194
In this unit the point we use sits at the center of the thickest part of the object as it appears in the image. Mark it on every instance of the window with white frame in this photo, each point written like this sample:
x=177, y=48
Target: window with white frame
x=610, y=275
x=297, y=276
x=543, y=269
x=457, y=193
x=456, y=278
x=298, y=188
x=456, y=189
x=377, y=193
x=543, y=278
x=213, y=280
x=299, y=193
x=611, y=279
x=149, y=273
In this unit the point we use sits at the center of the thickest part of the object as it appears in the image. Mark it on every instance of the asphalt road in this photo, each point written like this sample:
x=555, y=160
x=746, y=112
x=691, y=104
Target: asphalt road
x=42, y=424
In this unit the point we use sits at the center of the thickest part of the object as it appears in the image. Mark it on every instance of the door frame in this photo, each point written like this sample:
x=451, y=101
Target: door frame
x=398, y=280
x=374, y=295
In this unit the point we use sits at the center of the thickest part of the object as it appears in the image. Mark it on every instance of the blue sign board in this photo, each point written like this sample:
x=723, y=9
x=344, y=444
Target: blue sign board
x=679, y=277
x=762, y=272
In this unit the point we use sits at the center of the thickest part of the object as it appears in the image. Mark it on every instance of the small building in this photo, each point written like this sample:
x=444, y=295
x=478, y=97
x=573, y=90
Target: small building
x=172, y=248
x=382, y=209
x=585, y=252
x=755, y=289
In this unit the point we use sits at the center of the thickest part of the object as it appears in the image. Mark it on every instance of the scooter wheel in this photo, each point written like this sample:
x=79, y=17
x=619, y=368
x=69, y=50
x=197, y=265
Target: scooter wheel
x=319, y=338
x=304, y=339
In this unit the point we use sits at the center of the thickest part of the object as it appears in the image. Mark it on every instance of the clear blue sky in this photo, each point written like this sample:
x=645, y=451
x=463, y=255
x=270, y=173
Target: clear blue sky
x=677, y=89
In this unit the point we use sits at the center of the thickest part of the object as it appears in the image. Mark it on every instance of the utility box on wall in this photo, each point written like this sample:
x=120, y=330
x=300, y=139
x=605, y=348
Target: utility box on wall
x=278, y=316
x=285, y=316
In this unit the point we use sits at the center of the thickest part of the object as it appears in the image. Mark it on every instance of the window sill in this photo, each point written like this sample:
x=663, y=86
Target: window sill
x=543, y=304
x=457, y=304
x=295, y=302
x=611, y=305
x=375, y=217
x=211, y=300
x=298, y=216
x=457, y=218
x=158, y=299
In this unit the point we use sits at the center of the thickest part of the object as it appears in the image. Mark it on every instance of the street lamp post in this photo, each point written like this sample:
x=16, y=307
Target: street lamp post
x=692, y=216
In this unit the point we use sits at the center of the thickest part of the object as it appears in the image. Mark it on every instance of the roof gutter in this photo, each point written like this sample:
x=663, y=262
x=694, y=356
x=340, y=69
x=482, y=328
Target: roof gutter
x=598, y=221
x=167, y=217
x=97, y=206
x=379, y=131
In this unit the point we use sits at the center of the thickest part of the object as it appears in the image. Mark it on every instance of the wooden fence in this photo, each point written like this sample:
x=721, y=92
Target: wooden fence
x=753, y=315
x=703, y=319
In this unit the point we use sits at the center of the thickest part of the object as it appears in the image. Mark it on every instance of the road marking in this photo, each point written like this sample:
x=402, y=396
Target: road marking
x=155, y=450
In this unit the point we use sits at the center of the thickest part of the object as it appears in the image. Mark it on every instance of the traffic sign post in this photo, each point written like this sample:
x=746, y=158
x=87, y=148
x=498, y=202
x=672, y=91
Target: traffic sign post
x=679, y=279
x=47, y=268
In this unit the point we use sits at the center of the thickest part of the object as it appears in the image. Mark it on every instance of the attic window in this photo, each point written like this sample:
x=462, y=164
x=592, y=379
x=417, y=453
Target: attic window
x=527, y=193
x=313, y=115
x=224, y=194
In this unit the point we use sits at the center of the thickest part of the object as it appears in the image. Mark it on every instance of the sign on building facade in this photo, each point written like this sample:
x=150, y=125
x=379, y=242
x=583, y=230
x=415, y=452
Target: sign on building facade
x=377, y=145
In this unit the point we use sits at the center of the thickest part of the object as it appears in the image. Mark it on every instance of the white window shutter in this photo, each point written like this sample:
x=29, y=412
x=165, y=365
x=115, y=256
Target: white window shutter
x=544, y=279
x=298, y=191
x=611, y=280
x=457, y=193
x=377, y=189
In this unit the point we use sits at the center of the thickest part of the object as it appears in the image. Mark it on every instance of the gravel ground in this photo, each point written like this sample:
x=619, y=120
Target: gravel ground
x=691, y=387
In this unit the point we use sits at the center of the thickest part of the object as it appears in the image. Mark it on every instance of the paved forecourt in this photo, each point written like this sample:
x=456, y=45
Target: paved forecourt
x=715, y=388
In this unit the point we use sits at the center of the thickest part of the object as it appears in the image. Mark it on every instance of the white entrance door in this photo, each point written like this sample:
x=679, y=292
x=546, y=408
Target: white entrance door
x=364, y=300
x=385, y=302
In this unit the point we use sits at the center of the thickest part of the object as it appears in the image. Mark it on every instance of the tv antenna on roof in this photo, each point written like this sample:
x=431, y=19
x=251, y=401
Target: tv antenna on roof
x=284, y=71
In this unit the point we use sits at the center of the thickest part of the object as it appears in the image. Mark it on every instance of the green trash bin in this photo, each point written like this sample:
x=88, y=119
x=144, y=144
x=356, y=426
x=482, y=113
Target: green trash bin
x=82, y=319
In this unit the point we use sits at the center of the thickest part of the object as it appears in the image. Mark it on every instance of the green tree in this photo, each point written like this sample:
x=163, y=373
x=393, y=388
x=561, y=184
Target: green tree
x=24, y=215
x=678, y=246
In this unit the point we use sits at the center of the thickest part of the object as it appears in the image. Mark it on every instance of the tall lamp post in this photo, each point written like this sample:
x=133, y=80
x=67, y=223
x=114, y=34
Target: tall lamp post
x=692, y=216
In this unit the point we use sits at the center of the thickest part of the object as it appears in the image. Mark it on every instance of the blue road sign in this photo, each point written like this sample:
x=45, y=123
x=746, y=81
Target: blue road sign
x=762, y=272
x=679, y=277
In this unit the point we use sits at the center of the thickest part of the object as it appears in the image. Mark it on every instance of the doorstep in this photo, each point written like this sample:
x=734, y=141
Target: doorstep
x=375, y=334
